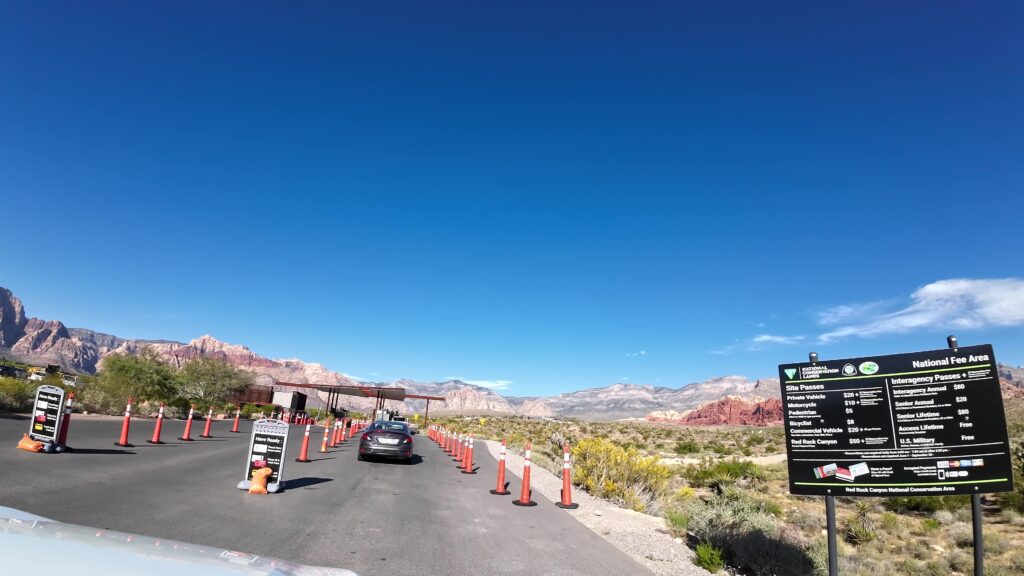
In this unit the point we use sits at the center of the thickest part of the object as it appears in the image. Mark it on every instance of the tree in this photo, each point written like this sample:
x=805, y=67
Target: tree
x=143, y=376
x=208, y=381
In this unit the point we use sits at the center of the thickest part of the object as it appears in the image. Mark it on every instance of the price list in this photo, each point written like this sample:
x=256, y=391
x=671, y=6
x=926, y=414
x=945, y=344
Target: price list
x=921, y=423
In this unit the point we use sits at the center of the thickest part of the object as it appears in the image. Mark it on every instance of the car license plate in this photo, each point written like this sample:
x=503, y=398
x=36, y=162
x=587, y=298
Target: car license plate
x=389, y=440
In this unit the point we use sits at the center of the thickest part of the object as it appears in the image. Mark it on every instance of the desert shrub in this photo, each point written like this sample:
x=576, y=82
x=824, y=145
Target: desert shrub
x=860, y=529
x=16, y=395
x=936, y=568
x=620, y=475
x=928, y=504
x=1016, y=561
x=686, y=447
x=1013, y=500
x=960, y=561
x=756, y=438
x=809, y=522
x=709, y=558
x=722, y=473
x=962, y=534
x=930, y=525
x=748, y=534
x=857, y=533
x=995, y=544
x=943, y=516
x=678, y=522
x=890, y=521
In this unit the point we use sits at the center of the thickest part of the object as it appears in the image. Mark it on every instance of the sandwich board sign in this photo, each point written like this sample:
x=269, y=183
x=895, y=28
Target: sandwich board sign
x=266, y=450
x=925, y=424
x=47, y=412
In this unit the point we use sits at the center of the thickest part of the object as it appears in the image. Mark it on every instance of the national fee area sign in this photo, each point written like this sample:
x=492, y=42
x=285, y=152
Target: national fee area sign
x=924, y=423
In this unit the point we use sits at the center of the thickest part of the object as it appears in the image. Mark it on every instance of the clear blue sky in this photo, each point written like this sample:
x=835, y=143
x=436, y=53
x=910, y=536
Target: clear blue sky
x=550, y=195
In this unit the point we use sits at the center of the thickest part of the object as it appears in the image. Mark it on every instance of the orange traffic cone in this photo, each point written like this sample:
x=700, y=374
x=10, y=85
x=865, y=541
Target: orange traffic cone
x=467, y=460
x=158, y=427
x=304, y=454
x=187, y=436
x=566, y=483
x=206, y=429
x=501, y=489
x=524, y=494
x=124, y=427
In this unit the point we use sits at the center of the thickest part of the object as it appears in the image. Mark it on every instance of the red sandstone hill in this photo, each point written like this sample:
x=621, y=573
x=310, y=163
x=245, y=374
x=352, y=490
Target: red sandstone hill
x=727, y=411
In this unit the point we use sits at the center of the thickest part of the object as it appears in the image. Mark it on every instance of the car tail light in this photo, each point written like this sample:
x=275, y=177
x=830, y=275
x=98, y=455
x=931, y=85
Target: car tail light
x=408, y=440
x=366, y=437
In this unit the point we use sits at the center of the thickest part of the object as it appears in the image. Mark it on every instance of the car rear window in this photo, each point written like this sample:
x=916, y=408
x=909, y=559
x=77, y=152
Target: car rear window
x=390, y=426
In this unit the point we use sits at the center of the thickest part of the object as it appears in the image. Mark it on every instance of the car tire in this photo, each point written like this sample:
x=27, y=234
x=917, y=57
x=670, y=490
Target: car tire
x=361, y=458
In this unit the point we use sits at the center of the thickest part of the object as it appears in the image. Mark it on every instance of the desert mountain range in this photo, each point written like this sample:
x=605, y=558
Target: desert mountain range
x=728, y=399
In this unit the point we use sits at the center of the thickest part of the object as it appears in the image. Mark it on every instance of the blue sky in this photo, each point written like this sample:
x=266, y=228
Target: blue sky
x=540, y=197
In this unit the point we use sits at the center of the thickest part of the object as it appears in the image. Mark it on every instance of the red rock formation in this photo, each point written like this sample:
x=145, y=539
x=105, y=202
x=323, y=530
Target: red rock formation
x=730, y=411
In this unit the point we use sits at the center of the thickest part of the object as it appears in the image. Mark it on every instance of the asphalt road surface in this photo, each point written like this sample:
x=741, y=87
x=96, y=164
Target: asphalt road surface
x=369, y=517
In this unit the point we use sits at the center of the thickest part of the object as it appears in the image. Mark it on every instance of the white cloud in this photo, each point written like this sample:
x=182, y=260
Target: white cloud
x=635, y=354
x=961, y=303
x=775, y=339
x=725, y=349
x=492, y=384
x=852, y=312
x=757, y=343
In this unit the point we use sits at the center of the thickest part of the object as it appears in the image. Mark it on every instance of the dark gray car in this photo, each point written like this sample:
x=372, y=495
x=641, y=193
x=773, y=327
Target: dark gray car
x=388, y=439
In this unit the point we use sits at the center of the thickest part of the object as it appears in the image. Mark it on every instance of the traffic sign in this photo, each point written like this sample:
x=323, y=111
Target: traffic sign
x=266, y=450
x=47, y=412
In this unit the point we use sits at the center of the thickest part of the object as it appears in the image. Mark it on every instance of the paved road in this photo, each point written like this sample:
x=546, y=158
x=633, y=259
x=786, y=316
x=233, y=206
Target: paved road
x=370, y=517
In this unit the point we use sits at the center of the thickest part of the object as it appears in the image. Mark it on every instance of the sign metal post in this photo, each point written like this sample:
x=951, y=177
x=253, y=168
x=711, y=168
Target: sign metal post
x=979, y=537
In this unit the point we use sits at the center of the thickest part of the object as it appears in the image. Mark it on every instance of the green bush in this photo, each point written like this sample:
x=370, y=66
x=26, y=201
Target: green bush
x=620, y=475
x=709, y=558
x=678, y=522
x=927, y=504
x=857, y=533
x=722, y=473
x=16, y=395
x=686, y=447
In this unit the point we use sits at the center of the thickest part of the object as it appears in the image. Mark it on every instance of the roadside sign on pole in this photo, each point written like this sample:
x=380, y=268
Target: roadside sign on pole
x=925, y=423
x=47, y=413
x=266, y=450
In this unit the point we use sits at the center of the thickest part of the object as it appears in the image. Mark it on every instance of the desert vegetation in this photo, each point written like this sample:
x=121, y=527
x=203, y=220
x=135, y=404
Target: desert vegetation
x=738, y=514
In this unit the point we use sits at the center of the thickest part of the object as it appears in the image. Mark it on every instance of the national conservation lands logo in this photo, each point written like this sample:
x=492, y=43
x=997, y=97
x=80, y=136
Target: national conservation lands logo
x=868, y=368
x=849, y=370
x=790, y=372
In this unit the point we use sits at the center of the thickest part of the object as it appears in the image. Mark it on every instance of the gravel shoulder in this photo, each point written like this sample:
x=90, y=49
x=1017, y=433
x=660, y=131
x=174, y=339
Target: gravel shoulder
x=642, y=537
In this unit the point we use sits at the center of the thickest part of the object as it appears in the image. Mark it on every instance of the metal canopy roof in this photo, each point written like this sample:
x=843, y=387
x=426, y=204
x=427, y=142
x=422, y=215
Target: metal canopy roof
x=379, y=392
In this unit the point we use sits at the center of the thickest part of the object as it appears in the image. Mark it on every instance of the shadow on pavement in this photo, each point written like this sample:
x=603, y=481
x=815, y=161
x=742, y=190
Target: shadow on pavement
x=416, y=459
x=9, y=416
x=98, y=451
x=304, y=482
